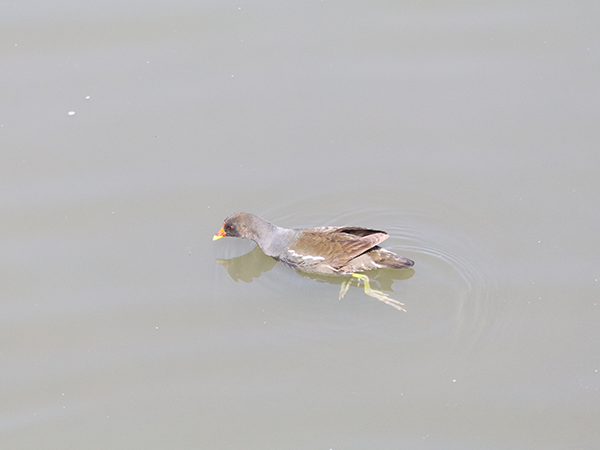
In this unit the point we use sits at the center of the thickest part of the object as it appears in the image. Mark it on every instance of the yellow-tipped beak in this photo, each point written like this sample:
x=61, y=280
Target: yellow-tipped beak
x=219, y=235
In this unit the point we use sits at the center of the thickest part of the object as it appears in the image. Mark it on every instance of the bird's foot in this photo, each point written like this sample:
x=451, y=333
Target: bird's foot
x=345, y=287
x=373, y=293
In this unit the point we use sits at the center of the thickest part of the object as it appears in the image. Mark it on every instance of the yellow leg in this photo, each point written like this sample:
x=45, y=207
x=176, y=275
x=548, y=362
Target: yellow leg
x=345, y=287
x=374, y=293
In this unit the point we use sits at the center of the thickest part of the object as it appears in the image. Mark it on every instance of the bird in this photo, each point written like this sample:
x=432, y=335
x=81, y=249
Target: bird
x=320, y=250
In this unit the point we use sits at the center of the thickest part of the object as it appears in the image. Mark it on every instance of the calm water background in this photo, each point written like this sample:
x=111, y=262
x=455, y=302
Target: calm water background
x=469, y=131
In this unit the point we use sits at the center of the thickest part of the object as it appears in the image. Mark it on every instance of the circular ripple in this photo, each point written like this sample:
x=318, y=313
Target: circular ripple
x=452, y=289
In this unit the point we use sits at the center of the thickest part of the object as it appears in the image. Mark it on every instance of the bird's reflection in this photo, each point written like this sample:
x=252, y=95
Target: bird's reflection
x=254, y=263
x=248, y=266
x=381, y=279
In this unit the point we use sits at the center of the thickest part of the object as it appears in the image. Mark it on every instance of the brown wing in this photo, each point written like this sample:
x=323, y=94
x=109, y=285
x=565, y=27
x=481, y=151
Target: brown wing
x=338, y=245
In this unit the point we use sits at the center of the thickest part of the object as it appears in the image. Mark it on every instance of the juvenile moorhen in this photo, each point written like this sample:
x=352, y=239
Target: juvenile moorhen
x=325, y=250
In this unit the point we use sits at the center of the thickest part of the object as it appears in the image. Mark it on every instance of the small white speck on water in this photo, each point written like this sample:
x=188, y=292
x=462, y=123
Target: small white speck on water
x=157, y=328
x=87, y=97
x=71, y=113
x=539, y=242
x=454, y=381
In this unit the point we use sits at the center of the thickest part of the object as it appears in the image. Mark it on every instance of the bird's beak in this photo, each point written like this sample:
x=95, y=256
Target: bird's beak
x=219, y=235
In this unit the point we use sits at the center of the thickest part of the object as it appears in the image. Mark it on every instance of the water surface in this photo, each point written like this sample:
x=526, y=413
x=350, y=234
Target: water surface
x=468, y=132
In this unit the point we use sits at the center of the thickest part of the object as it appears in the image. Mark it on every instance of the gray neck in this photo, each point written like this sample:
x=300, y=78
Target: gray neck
x=277, y=241
x=272, y=239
